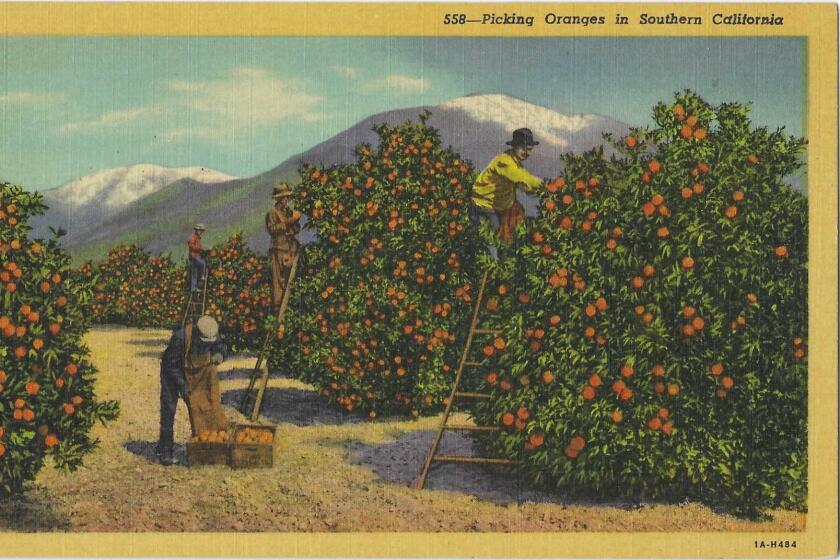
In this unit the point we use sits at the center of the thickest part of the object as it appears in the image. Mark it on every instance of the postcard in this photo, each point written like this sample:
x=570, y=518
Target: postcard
x=418, y=279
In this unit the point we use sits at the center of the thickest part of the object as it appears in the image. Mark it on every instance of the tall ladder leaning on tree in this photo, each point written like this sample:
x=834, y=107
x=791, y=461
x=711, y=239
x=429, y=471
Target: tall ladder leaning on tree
x=433, y=456
x=251, y=402
x=196, y=306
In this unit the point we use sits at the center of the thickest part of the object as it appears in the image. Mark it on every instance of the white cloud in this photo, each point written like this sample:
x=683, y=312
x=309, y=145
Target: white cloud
x=113, y=119
x=347, y=71
x=401, y=82
x=30, y=98
x=194, y=133
x=249, y=96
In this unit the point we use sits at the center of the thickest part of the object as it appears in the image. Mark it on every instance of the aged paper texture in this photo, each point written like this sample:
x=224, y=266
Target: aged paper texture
x=421, y=280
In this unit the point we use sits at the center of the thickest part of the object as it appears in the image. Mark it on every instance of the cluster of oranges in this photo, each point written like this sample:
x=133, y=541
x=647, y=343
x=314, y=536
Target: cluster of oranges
x=659, y=274
x=139, y=289
x=251, y=435
x=398, y=214
x=45, y=377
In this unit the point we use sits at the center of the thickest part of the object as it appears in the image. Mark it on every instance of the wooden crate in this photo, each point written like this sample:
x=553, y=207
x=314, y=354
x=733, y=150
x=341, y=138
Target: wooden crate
x=252, y=455
x=207, y=453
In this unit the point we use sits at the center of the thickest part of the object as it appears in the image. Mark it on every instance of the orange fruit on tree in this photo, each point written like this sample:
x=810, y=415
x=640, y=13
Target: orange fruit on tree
x=588, y=393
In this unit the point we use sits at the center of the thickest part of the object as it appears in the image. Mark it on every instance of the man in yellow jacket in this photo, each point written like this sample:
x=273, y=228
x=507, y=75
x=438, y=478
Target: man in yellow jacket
x=494, y=192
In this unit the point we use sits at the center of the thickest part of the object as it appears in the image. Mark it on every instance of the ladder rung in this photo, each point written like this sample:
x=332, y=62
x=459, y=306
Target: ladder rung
x=460, y=459
x=473, y=364
x=487, y=331
x=473, y=428
x=472, y=395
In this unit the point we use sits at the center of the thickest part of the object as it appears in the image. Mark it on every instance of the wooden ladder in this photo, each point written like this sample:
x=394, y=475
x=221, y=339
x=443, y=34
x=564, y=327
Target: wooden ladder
x=251, y=402
x=433, y=456
x=195, y=308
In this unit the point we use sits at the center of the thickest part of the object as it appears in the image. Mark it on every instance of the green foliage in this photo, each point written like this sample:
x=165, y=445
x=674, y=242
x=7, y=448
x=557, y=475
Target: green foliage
x=48, y=405
x=685, y=379
x=379, y=312
x=132, y=287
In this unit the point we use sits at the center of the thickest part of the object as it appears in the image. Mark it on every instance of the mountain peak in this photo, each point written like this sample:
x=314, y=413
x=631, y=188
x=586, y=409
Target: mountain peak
x=117, y=187
x=511, y=113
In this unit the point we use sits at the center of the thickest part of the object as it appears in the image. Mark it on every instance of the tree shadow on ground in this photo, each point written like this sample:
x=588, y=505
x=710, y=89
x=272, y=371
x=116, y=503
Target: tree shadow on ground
x=156, y=342
x=401, y=460
x=237, y=373
x=295, y=406
x=31, y=511
x=146, y=450
x=150, y=354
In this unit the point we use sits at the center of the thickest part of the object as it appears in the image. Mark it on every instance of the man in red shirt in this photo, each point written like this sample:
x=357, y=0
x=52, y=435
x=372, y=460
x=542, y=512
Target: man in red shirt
x=197, y=263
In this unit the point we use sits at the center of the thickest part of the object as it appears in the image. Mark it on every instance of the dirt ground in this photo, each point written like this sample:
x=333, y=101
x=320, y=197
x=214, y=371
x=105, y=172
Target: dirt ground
x=332, y=472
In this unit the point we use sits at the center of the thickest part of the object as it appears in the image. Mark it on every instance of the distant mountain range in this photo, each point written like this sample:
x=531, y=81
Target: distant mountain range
x=156, y=207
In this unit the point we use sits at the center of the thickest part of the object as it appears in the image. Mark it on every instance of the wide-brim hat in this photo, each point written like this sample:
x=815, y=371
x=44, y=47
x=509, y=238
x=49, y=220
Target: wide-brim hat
x=200, y=227
x=522, y=137
x=208, y=329
x=281, y=190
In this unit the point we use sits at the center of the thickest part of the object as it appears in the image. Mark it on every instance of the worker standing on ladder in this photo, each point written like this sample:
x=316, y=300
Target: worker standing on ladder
x=188, y=371
x=198, y=265
x=283, y=228
x=494, y=192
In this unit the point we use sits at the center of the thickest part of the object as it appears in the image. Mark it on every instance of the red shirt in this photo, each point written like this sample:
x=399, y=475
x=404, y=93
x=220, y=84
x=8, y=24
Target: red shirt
x=194, y=245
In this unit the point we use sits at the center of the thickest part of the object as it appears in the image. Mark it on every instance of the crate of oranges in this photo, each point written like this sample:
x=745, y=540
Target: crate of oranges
x=252, y=446
x=209, y=448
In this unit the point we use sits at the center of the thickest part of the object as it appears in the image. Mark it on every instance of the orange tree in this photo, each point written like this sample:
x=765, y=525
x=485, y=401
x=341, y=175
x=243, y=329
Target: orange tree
x=239, y=293
x=47, y=401
x=132, y=287
x=656, y=319
x=377, y=317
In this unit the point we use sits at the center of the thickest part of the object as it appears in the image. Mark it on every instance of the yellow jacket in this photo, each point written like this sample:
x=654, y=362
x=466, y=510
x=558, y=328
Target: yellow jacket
x=496, y=186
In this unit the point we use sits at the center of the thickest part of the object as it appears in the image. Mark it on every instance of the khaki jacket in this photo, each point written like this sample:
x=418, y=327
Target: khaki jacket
x=282, y=230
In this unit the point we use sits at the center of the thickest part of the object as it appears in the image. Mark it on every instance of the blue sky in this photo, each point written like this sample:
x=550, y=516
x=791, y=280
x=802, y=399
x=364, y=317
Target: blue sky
x=73, y=105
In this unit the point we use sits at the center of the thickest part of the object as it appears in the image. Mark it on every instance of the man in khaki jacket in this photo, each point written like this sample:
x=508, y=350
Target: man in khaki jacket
x=282, y=225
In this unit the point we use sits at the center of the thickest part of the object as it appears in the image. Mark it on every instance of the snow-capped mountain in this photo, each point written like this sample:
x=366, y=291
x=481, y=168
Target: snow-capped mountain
x=113, y=189
x=476, y=126
x=82, y=204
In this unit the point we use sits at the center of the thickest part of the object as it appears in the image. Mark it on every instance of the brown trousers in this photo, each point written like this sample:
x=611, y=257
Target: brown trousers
x=203, y=395
x=281, y=263
x=509, y=219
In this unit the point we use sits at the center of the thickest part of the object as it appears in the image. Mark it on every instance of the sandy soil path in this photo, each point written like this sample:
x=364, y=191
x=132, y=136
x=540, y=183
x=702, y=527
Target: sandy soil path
x=332, y=472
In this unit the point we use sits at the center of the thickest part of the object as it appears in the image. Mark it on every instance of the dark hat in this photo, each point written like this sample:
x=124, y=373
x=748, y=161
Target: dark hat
x=522, y=137
x=281, y=190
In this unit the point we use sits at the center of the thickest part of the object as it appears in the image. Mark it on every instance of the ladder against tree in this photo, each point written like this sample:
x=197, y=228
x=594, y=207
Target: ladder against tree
x=196, y=304
x=252, y=401
x=433, y=456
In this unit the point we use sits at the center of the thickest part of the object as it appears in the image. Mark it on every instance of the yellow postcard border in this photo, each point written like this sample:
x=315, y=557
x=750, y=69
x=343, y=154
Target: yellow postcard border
x=815, y=21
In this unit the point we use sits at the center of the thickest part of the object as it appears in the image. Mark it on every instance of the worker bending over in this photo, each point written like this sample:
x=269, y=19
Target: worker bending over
x=188, y=370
